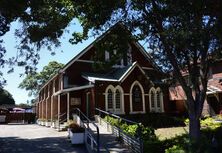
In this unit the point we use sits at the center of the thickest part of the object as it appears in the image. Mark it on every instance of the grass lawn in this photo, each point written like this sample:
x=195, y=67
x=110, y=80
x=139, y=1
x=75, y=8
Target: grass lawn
x=167, y=133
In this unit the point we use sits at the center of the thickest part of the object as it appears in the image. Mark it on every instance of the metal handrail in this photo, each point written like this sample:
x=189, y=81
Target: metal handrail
x=80, y=113
x=61, y=115
x=59, y=120
x=126, y=120
x=111, y=114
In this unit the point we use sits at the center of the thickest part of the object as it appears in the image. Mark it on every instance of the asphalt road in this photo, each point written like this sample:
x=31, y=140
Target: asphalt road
x=18, y=138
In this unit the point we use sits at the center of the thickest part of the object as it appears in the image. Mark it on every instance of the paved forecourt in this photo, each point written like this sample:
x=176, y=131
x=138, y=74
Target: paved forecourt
x=19, y=138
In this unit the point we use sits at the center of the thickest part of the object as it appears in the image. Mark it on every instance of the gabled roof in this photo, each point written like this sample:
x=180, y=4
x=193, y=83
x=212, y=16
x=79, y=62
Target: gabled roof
x=73, y=89
x=80, y=54
x=141, y=49
x=116, y=75
x=215, y=84
x=177, y=93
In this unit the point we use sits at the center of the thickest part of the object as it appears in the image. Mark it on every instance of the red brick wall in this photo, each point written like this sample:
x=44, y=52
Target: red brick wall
x=63, y=104
x=55, y=107
x=48, y=113
x=74, y=73
x=139, y=57
x=126, y=85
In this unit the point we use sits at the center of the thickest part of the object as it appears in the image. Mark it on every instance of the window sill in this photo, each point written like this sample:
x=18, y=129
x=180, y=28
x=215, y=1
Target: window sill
x=137, y=112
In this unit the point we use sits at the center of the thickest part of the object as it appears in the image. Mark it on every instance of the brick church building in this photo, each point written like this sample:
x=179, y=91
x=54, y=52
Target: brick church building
x=129, y=86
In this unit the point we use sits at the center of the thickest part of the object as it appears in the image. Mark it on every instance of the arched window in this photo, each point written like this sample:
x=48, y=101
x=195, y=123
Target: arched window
x=152, y=99
x=137, y=94
x=156, y=100
x=137, y=100
x=115, y=99
x=118, y=99
x=110, y=99
x=159, y=100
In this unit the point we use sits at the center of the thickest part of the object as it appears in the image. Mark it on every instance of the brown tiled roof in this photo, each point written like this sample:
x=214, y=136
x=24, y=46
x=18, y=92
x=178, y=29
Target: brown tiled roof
x=216, y=82
x=214, y=86
x=218, y=75
x=177, y=93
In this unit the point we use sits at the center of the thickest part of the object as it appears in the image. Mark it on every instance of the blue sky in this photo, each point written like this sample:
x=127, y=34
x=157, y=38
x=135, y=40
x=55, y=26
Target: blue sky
x=63, y=54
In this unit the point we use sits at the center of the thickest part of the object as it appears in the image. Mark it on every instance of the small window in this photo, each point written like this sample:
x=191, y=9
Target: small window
x=107, y=56
x=110, y=99
x=129, y=55
x=65, y=81
x=114, y=51
x=118, y=100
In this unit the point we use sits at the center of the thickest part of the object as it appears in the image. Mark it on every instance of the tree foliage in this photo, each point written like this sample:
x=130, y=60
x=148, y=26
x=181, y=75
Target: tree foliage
x=116, y=44
x=33, y=82
x=183, y=34
x=6, y=97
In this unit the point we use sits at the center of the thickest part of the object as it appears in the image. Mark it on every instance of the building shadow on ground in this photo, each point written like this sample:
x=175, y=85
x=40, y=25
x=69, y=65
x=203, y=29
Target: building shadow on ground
x=39, y=145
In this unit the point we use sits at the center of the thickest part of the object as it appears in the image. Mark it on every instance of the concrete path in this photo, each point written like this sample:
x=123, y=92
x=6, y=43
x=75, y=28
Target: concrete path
x=35, y=139
x=108, y=142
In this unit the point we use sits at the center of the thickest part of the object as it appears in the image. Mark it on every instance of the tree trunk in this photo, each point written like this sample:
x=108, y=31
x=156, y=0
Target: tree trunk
x=194, y=127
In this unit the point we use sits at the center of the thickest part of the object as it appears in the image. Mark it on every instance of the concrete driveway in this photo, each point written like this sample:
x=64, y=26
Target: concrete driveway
x=18, y=138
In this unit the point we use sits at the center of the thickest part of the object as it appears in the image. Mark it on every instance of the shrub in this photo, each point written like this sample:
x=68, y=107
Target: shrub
x=156, y=120
x=75, y=128
x=131, y=129
x=111, y=120
x=207, y=122
x=175, y=149
x=153, y=146
x=183, y=144
x=147, y=133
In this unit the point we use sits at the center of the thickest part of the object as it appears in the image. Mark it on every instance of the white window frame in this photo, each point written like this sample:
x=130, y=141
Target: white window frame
x=113, y=89
x=161, y=108
x=152, y=90
x=121, y=110
x=106, y=97
x=131, y=98
x=156, y=108
x=107, y=56
x=129, y=55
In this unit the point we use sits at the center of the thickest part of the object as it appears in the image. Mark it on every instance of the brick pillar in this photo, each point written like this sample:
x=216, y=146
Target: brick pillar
x=37, y=110
x=39, y=106
x=40, y=112
x=43, y=109
x=46, y=109
x=92, y=105
x=55, y=107
x=42, y=116
x=68, y=106
x=49, y=108
x=59, y=98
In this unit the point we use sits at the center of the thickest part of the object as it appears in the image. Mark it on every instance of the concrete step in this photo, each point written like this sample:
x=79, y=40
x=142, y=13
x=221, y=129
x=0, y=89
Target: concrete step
x=61, y=127
x=108, y=141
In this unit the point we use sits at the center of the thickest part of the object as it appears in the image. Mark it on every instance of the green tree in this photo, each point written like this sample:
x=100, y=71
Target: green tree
x=6, y=97
x=183, y=34
x=23, y=105
x=33, y=82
